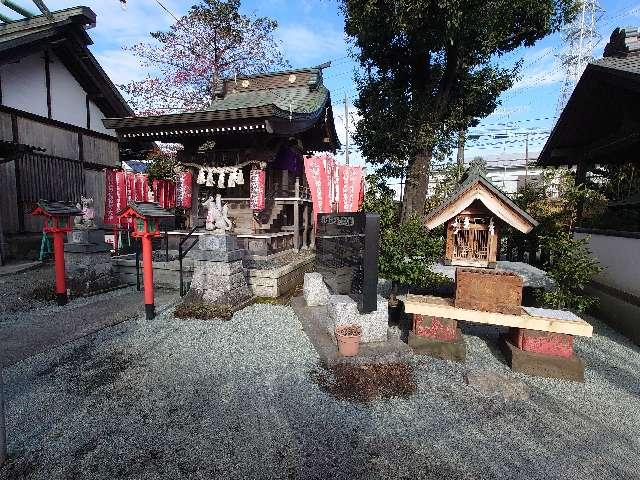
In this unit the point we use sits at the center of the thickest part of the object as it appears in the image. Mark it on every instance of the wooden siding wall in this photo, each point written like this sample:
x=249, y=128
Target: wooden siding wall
x=94, y=187
x=8, y=198
x=6, y=130
x=100, y=151
x=51, y=178
x=57, y=141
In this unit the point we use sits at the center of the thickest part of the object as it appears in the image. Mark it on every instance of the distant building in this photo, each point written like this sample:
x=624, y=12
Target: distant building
x=509, y=172
x=53, y=97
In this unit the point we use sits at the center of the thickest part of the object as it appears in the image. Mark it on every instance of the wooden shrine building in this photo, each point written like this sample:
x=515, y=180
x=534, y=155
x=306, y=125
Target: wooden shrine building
x=473, y=217
x=267, y=122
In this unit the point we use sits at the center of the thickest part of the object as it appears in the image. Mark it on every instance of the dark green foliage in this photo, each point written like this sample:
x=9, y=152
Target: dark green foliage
x=203, y=311
x=162, y=165
x=406, y=250
x=430, y=71
x=572, y=267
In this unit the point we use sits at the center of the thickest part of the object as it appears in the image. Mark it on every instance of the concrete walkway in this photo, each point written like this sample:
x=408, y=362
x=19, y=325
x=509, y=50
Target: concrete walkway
x=24, y=335
x=13, y=268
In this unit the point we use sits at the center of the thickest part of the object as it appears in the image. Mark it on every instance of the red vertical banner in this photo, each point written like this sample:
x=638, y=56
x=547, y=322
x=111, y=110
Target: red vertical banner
x=349, y=188
x=110, y=197
x=257, y=190
x=183, y=189
x=318, y=181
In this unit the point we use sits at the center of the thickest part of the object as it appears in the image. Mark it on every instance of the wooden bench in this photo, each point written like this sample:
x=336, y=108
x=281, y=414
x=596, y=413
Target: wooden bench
x=444, y=308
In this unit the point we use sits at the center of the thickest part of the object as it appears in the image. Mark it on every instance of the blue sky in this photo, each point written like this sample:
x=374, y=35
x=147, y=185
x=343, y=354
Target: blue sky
x=311, y=32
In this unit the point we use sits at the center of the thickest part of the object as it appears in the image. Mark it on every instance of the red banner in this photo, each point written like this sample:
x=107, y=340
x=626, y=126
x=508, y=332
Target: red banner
x=349, y=188
x=115, y=195
x=164, y=193
x=257, y=190
x=183, y=189
x=314, y=168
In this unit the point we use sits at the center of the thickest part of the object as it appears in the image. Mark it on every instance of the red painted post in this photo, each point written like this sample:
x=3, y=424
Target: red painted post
x=147, y=265
x=58, y=253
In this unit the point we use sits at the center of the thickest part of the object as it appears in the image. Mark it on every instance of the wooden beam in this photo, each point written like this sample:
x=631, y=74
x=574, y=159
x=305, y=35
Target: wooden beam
x=47, y=77
x=443, y=307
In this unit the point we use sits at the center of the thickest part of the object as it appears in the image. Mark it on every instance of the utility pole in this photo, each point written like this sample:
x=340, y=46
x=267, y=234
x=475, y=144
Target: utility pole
x=526, y=158
x=346, y=130
x=461, y=139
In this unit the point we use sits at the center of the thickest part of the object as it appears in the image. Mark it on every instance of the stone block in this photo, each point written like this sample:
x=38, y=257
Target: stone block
x=343, y=310
x=217, y=243
x=315, y=291
x=455, y=351
x=438, y=328
x=540, y=365
x=216, y=256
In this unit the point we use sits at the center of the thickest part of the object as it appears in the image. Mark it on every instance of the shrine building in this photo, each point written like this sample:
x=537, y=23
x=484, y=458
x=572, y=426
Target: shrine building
x=473, y=217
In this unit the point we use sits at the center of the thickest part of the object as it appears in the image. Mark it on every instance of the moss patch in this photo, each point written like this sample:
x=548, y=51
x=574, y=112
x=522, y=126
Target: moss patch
x=203, y=311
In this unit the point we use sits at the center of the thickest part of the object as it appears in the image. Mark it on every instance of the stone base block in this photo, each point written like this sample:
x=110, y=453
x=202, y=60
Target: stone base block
x=455, y=351
x=217, y=243
x=546, y=343
x=216, y=256
x=343, y=310
x=541, y=365
x=315, y=291
x=436, y=328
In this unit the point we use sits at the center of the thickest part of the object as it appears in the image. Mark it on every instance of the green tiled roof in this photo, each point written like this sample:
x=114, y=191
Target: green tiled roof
x=300, y=99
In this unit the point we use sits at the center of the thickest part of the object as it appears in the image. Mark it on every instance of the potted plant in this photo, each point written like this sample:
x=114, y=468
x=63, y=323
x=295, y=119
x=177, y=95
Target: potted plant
x=348, y=337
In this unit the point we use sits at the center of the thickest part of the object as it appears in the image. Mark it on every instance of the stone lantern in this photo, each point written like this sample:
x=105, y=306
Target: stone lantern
x=58, y=222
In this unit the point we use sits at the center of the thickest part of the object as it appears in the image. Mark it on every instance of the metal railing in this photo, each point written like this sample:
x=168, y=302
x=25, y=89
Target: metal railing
x=182, y=254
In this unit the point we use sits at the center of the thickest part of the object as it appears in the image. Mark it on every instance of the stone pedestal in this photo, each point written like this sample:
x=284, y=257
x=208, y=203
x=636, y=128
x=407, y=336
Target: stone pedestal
x=86, y=241
x=218, y=276
x=343, y=310
x=88, y=262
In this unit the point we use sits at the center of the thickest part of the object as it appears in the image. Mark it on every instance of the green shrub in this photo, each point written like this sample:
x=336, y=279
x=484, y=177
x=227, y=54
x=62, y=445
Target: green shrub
x=571, y=267
x=406, y=249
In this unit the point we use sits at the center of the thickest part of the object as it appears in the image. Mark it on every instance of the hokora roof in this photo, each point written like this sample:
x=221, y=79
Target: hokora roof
x=475, y=186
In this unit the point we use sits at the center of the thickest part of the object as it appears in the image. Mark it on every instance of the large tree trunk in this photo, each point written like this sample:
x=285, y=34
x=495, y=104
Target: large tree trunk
x=415, y=191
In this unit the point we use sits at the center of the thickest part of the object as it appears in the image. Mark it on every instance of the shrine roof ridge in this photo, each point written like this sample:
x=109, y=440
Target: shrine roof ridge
x=59, y=208
x=469, y=179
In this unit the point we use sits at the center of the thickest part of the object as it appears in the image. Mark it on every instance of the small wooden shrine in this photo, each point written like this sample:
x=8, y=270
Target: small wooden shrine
x=473, y=217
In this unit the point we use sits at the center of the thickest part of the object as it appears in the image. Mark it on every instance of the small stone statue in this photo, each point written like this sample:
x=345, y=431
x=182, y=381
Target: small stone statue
x=217, y=215
x=87, y=220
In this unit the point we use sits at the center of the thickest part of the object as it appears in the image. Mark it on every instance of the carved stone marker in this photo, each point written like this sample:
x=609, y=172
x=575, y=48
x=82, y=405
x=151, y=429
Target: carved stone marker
x=347, y=255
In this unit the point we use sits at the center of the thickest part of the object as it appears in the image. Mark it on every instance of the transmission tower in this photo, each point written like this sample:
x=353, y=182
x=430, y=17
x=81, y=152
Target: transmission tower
x=579, y=38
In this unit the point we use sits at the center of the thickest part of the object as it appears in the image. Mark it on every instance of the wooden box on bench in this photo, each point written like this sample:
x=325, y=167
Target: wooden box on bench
x=488, y=290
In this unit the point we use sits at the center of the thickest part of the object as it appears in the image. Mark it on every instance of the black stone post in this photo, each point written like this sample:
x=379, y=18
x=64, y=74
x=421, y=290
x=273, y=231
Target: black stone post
x=370, y=277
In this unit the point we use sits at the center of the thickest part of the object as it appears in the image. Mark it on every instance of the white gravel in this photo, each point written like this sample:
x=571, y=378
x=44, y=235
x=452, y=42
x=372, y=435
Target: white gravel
x=178, y=399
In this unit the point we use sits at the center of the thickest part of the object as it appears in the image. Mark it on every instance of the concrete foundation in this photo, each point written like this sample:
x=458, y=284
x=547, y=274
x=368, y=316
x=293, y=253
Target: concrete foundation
x=454, y=350
x=541, y=365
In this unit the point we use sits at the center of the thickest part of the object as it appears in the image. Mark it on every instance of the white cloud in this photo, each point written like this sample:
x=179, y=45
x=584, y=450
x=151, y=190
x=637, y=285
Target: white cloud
x=121, y=66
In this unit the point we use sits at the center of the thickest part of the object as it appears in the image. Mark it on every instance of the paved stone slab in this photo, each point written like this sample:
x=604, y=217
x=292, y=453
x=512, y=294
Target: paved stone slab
x=23, y=336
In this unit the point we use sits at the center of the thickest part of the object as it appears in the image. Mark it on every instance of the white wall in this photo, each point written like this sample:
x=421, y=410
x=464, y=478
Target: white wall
x=24, y=85
x=96, y=119
x=24, y=88
x=620, y=257
x=68, y=99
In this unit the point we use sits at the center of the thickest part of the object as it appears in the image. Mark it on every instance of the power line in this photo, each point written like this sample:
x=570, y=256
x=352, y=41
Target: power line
x=167, y=10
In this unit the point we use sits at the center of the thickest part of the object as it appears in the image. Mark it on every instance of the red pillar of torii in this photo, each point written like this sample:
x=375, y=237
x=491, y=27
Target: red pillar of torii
x=58, y=223
x=146, y=217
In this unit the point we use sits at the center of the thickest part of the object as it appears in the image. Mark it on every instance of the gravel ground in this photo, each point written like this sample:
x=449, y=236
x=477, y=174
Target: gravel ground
x=190, y=399
x=15, y=290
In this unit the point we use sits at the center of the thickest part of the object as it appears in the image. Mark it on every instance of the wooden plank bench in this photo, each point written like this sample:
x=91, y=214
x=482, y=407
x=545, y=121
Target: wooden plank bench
x=444, y=307
x=535, y=345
